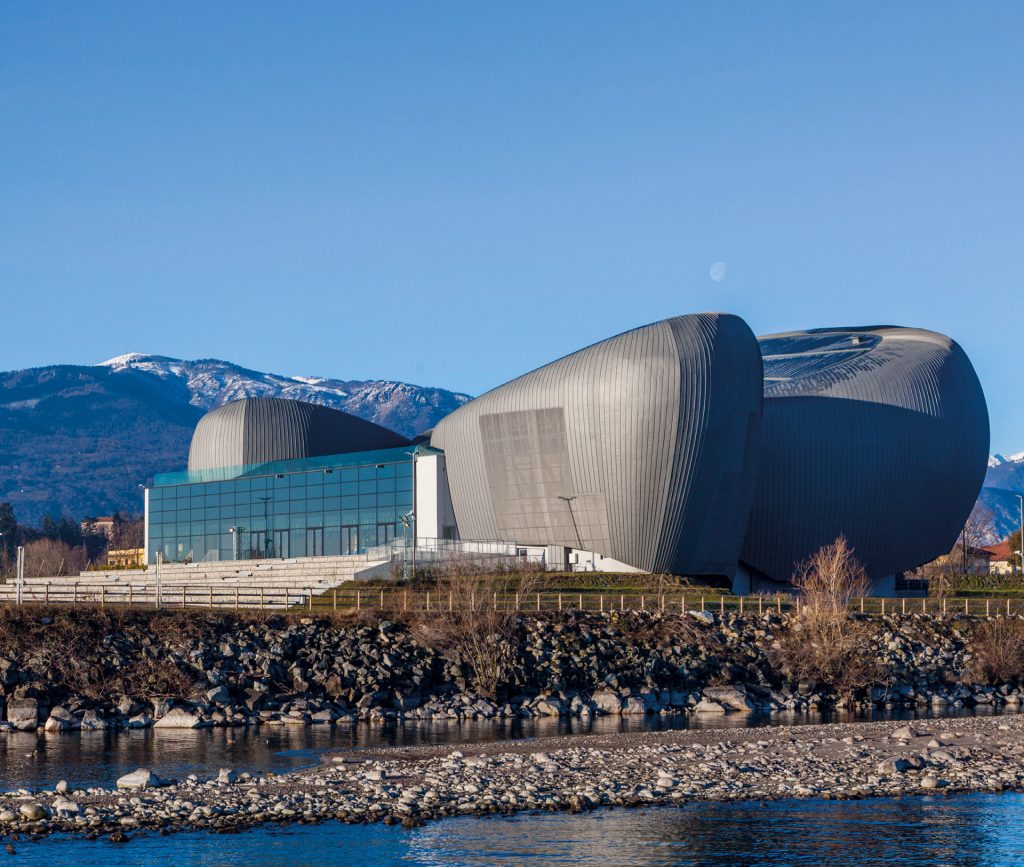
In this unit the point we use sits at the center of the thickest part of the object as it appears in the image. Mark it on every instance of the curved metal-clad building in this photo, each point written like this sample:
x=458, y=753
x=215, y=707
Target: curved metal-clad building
x=878, y=433
x=641, y=448
x=256, y=430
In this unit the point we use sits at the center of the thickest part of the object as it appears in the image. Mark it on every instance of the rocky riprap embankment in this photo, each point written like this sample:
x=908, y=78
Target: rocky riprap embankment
x=414, y=785
x=85, y=670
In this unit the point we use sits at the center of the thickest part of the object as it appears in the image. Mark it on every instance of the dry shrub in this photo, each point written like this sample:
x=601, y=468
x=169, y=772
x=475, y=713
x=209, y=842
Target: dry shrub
x=151, y=677
x=46, y=558
x=831, y=578
x=997, y=651
x=824, y=644
x=478, y=619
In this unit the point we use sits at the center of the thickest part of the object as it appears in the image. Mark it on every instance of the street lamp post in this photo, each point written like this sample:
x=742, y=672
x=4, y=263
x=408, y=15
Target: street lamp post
x=21, y=573
x=1021, y=540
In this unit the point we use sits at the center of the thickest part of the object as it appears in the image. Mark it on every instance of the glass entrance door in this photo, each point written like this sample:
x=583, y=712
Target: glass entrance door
x=315, y=542
x=281, y=546
x=350, y=540
x=385, y=533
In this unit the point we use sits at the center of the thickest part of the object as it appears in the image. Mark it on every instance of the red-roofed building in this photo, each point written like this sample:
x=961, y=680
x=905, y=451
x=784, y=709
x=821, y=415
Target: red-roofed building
x=1000, y=562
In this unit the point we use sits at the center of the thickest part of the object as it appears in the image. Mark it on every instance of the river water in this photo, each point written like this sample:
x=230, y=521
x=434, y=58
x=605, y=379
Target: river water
x=966, y=830
x=88, y=758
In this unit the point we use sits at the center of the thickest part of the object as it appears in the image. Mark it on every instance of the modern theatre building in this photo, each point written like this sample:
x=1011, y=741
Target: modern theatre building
x=687, y=446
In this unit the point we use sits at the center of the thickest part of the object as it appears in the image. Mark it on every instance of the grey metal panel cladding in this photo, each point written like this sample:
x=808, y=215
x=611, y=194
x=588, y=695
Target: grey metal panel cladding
x=260, y=429
x=659, y=428
x=880, y=434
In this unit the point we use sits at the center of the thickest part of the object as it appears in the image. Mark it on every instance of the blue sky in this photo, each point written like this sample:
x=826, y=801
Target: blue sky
x=452, y=194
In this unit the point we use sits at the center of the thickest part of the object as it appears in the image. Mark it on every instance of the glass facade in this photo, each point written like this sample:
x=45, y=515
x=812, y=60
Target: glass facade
x=303, y=508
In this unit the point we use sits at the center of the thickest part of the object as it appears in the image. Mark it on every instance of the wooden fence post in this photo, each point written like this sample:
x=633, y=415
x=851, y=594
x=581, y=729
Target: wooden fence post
x=209, y=596
x=129, y=595
x=559, y=601
x=538, y=602
x=183, y=597
x=103, y=595
x=334, y=599
x=46, y=590
x=261, y=598
x=428, y=600
x=602, y=603
x=359, y=600
x=778, y=603
x=741, y=604
x=310, y=598
x=581, y=602
x=883, y=606
x=381, y=600
x=967, y=605
x=988, y=608
x=721, y=605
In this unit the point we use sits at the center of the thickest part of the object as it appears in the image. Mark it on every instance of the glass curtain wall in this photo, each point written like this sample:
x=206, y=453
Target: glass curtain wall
x=303, y=511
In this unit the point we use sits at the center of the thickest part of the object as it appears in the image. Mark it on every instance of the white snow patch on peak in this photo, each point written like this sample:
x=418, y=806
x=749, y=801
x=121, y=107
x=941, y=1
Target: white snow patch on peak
x=122, y=360
x=998, y=460
x=309, y=380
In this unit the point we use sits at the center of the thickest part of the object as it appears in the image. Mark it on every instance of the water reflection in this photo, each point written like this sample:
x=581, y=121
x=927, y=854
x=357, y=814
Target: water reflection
x=99, y=758
x=967, y=831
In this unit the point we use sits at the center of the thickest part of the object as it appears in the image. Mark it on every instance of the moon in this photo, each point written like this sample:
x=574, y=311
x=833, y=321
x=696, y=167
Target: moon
x=718, y=272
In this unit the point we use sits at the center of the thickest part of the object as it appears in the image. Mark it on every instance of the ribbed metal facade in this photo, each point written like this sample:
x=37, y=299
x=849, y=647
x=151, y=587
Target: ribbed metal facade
x=256, y=430
x=642, y=447
x=879, y=434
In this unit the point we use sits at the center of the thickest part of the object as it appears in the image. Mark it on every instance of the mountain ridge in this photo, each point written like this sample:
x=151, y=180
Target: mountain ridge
x=83, y=439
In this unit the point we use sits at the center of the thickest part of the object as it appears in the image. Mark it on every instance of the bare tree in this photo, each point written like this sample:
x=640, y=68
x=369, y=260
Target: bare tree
x=478, y=617
x=978, y=530
x=46, y=558
x=831, y=578
x=824, y=644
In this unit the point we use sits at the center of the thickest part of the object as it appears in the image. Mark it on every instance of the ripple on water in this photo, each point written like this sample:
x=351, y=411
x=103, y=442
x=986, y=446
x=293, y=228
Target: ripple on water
x=968, y=830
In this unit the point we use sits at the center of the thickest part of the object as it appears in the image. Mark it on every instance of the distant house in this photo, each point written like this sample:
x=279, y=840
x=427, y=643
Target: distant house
x=104, y=526
x=978, y=562
x=1001, y=562
x=126, y=558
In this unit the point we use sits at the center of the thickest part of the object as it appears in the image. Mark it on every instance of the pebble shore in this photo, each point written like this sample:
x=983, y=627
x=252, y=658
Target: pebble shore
x=413, y=785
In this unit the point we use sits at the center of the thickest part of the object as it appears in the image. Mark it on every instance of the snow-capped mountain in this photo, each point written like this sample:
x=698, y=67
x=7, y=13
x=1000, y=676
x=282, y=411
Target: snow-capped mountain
x=1004, y=481
x=82, y=440
x=999, y=460
x=408, y=409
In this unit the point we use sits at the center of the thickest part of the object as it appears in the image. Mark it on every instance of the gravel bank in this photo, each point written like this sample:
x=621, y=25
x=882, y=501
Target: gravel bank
x=413, y=785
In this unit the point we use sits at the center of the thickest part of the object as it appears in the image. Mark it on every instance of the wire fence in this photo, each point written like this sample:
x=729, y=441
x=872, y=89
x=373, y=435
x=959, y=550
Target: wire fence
x=350, y=596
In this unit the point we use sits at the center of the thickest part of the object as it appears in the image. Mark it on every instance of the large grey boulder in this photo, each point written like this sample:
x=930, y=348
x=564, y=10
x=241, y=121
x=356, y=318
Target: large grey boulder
x=23, y=713
x=143, y=778
x=708, y=706
x=92, y=721
x=608, y=701
x=729, y=697
x=178, y=718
